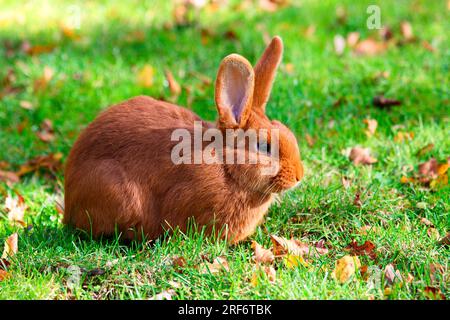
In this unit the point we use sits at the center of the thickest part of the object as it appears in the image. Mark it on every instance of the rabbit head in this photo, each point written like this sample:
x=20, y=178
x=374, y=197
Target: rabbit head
x=241, y=96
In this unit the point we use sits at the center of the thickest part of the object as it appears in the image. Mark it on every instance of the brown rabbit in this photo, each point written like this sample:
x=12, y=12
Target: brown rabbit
x=120, y=174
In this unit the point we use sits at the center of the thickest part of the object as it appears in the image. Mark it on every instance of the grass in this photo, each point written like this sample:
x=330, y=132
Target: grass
x=100, y=69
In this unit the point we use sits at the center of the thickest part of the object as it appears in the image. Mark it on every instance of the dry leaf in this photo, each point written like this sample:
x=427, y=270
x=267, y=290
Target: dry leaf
x=310, y=140
x=145, y=76
x=42, y=82
x=178, y=263
x=445, y=240
x=346, y=182
x=283, y=246
x=426, y=222
x=174, y=87
x=26, y=105
x=11, y=246
x=269, y=271
x=372, y=125
x=4, y=275
x=293, y=261
x=16, y=209
x=219, y=264
x=367, y=248
x=51, y=163
x=261, y=255
x=385, y=103
x=165, y=295
x=433, y=233
x=424, y=150
x=46, y=134
x=339, y=44
x=434, y=293
x=346, y=268
x=9, y=176
x=403, y=136
x=392, y=275
x=407, y=31
x=360, y=155
x=369, y=47
x=352, y=39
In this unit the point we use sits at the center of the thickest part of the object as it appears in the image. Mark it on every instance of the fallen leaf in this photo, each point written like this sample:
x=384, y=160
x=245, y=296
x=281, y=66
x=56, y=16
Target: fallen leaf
x=283, y=246
x=164, y=295
x=269, y=272
x=352, y=39
x=434, y=293
x=292, y=261
x=428, y=46
x=339, y=44
x=403, y=136
x=26, y=105
x=145, y=76
x=41, y=83
x=178, y=262
x=9, y=176
x=50, y=162
x=174, y=87
x=11, y=246
x=445, y=240
x=433, y=233
x=385, y=103
x=345, y=268
x=372, y=125
x=360, y=155
x=407, y=31
x=410, y=278
x=426, y=222
x=46, y=134
x=4, y=275
x=261, y=255
x=16, y=208
x=37, y=49
x=366, y=249
x=369, y=47
x=346, y=182
x=424, y=150
x=310, y=140
x=219, y=264
x=391, y=275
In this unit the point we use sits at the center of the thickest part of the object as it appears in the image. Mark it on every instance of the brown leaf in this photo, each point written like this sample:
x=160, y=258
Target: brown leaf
x=428, y=46
x=261, y=255
x=402, y=136
x=164, y=295
x=41, y=83
x=37, y=49
x=424, y=150
x=4, y=275
x=46, y=134
x=219, y=264
x=407, y=31
x=426, y=222
x=392, y=275
x=369, y=47
x=178, y=263
x=11, y=247
x=174, y=87
x=310, y=140
x=9, y=176
x=434, y=293
x=433, y=233
x=445, y=240
x=360, y=155
x=352, y=39
x=429, y=168
x=345, y=268
x=366, y=249
x=26, y=105
x=385, y=103
x=50, y=162
x=16, y=208
x=346, y=182
x=372, y=125
x=283, y=246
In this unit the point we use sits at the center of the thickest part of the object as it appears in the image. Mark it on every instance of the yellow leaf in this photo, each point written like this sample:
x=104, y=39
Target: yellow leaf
x=293, y=261
x=372, y=125
x=10, y=246
x=145, y=76
x=346, y=268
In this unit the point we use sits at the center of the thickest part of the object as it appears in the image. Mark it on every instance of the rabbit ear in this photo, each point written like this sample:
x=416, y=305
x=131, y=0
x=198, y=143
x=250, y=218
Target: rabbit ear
x=234, y=91
x=265, y=71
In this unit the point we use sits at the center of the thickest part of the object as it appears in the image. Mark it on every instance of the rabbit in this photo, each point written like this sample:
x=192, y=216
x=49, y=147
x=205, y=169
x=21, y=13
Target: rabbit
x=120, y=176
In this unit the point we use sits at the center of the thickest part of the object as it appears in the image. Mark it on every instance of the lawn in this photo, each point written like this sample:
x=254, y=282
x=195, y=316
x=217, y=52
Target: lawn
x=62, y=62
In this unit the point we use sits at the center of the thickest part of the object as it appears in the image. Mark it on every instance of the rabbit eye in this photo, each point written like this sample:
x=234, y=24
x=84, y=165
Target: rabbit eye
x=263, y=147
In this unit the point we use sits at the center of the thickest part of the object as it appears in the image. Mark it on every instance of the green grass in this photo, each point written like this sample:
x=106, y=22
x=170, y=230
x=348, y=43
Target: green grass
x=101, y=68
